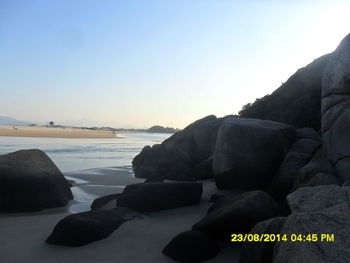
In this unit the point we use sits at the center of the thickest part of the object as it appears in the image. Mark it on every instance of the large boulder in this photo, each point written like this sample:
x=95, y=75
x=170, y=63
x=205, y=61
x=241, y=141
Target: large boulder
x=296, y=102
x=30, y=181
x=299, y=155
x=239, y=215
x=152, y=197
x=176, y=157
x=191, y=247
x=248, y=152
x=318, y=167
x=84, y=228
x=261, y=252
x=324, y=212
x=336, y=109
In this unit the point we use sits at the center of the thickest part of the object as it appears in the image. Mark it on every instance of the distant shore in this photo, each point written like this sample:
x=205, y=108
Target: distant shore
x=54, y=132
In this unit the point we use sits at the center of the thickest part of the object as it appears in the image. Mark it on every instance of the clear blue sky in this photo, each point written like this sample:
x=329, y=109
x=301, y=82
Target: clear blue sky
x=142, y=63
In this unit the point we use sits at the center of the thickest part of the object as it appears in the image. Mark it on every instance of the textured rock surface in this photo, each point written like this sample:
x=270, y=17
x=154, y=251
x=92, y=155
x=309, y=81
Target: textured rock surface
x=239, y=215
x=30, y=181
x=191, y=246
x=248, y=152
x=84, y=228
x=151, y=197
x=299, y=155
x=317, y=210
x=261, y=252
x=336, y=109
x=296, y=102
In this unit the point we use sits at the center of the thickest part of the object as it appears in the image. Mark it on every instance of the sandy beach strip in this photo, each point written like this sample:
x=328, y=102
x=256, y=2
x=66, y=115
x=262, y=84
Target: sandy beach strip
x=54, y=132
x=139, y=241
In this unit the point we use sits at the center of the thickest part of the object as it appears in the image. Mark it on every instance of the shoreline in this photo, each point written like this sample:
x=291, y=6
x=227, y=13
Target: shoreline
x=54, y=132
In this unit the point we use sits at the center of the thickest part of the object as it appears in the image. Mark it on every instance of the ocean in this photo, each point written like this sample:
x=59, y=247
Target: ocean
x=78, y=154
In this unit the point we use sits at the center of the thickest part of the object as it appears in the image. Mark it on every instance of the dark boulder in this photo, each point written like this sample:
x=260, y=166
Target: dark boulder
x=322, y=211
x=299, y=155
x=223, y=200
x=261, y=252
x=249, y=152
x=177, y=156
x=30, y=181
x=191, y=247
x=320, y=179
x=101, y=202
x=296, y=102
x=238, y=216
x=336, y=109
x=152, y=197
x=316, y=166
x=203, y=170
x=84, y=228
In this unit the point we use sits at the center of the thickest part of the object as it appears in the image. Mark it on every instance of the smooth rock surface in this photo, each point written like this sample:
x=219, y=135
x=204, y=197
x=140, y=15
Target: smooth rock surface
x=249, y=152
x=83, y=228
x=30, y=181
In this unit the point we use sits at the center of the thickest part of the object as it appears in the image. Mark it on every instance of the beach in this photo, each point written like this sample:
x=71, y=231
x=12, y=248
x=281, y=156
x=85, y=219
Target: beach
x=140, y=240
x=54, y=132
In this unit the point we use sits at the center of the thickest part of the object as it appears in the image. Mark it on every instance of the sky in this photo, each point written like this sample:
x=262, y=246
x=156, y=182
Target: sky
x=143, y=63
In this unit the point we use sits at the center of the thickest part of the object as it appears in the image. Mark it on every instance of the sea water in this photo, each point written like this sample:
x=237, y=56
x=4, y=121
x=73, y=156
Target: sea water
x=72, y=154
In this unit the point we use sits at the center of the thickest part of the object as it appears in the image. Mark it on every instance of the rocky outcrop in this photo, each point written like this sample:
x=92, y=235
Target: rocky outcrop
x=248, y=152
x=317, y=210
x=297, y=102
x=191, y=246
x=261, y=252
x=30, y=181
x=299, y=155
x=177, y=156
x=84, y=228
x=315, y=171
x=239, y=215
x=336, y=109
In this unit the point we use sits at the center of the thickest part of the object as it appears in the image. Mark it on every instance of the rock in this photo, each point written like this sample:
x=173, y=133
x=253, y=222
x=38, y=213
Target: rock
x=309, y=133
x=87, y=227
x=223, y=200
x=296, y=102
x=191, y=246
x=319, y=198
x=317, y=165
x=152, y=197
x=176, y=157
x=261, y=252
x=317, y=210
x=216, y=197
x=299, y=155
x=336, y=109
x=108, y=201
x=238, y=216
x=286, y=175
x=319, y=179
x=30, y=181
x=203, y=170
x=243, y=142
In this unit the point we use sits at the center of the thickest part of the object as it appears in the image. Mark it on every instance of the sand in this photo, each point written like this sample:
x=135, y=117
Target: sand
x=53, y=132
x=22, y=236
